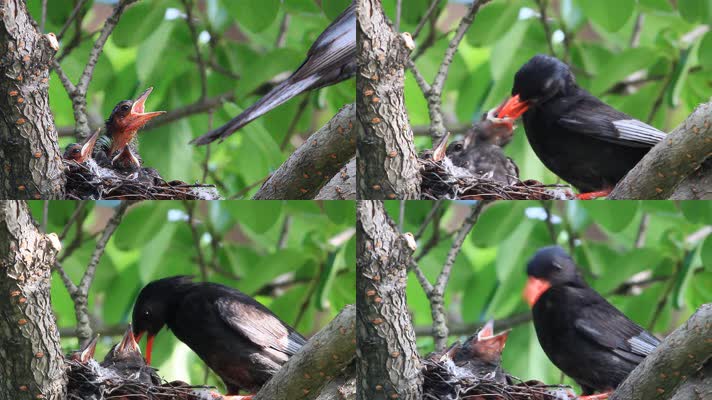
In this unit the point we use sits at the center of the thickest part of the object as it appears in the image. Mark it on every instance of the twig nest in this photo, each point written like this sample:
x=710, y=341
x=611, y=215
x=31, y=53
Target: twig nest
x=444, y=180
x=89, y=180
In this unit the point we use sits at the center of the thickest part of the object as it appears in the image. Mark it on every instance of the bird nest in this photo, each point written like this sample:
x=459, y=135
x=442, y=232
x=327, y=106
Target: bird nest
x=443, y=180
x=89, y=381
x=88, y=180
x=441, y=382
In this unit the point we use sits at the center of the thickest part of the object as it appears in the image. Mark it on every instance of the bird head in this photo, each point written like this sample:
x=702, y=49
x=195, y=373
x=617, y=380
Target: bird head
x=154, y=307
x=86, y=353
x=484, y=346
x=81, y=152
x=126, y=350
x=550, y=266
x=537, y=81
x=126, y=119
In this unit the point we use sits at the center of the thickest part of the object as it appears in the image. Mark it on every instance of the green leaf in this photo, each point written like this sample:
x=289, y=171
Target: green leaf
x=682, y=280
x=341, y=212
x=325, y=283
x=138, y=22
x=259, y=216
x=697, y=211
x=255, y=15
x=611, y=218
x=497, y=222
x=505, y=49
x=704, y=52
x=706, y=253
x=695, y=10
x=571, y=14
x=332, y=8
x=492, y=22
x=611, y=15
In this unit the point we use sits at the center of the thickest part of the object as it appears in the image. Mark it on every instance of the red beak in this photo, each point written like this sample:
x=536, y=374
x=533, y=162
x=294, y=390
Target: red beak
x=513, y=108
x=534, y=289
x=149, y=346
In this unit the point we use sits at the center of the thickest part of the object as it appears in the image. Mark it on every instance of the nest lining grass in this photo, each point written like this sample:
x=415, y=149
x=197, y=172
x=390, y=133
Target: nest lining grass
x=440, y=383
x=442, y=180
x=91, y=181
x=88, y=381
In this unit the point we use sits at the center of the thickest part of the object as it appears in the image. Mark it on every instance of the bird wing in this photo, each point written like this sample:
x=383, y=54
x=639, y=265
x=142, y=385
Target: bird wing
x=603, y=324
x=331, y=59
x=606, y=123
x=255, y=322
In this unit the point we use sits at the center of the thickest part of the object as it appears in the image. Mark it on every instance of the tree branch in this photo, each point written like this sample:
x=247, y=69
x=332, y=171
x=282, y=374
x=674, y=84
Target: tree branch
x=315, y=162
x=387, y=160
x=30, y=159
x=388, y=361
x=322, y=359
x=31, y=360
x=681, y=355
x=342, y=186
x=672, y=160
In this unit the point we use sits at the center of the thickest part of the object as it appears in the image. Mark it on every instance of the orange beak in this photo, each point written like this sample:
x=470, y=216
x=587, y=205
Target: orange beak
x=149, y=346
x=513, y=108
x=534, y=289
x=87, y=353
x=136, y=119
x=488, y=342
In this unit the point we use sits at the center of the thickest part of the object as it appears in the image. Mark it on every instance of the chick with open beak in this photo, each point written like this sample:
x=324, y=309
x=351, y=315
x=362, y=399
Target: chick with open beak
x=81, y=152
x=126, y=119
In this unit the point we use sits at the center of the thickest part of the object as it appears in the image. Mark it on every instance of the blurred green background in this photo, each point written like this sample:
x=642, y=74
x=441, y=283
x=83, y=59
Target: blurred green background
x=152, y=46
x=671, y=63
x=674, y=262
x=305, y=276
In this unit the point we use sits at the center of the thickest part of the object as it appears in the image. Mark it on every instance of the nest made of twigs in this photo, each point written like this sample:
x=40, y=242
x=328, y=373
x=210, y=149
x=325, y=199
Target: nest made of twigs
x=442, y=180
x=91, y=181
x=89, y=381
x=440, y=382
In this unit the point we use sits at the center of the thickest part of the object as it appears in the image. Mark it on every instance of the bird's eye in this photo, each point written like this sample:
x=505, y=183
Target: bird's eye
x=458, y=147
x=147, y=313
x=125, y=107
x=76, y=151
x=557, y=265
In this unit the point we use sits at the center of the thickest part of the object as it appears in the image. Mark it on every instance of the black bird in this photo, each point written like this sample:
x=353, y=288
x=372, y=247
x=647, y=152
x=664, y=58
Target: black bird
x=481, y=151
x=581, y=139
x=237, y=337
x=331, y=59
x=583, y=334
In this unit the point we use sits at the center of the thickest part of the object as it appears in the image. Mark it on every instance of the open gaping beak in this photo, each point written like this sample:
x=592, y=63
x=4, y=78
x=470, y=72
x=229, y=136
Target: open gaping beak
x=128, y=343
x=126, y=154
x=534, y=289
x=513, y=108
x=87, y=353
x=488, y=342
x=138, y=118
x=439, y=151
x=149, y=345
x=88, y=147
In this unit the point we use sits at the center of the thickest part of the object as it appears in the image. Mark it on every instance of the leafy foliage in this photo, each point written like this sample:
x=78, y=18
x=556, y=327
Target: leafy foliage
x=671, y=64
x=673, y=261
x=306, y=281
x=152, y=46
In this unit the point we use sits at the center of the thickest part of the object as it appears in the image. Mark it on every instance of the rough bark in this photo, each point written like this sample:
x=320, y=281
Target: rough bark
x=681, y=355
x=697, y=186
x=31, y=360
x=388, y=361
x=317, y=364
x=315, y=162
x=31, y=162
x=667, y=164
x=387, y=160
x=342, y=186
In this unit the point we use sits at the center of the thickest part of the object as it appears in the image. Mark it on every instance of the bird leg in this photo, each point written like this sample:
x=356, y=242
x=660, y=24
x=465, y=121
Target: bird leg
x=594, y=195
x=600, y=396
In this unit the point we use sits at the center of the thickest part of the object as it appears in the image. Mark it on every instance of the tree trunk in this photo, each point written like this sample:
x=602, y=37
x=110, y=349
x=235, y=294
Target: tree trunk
x=388, y=361
x=31, y=360
x=31, y=163
x=387, y=161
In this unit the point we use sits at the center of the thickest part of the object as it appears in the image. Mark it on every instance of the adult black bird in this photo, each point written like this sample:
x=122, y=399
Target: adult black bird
x=583, y=334
x=481, y=151
x=331, y=59
x=581, y=139
x=237, y=337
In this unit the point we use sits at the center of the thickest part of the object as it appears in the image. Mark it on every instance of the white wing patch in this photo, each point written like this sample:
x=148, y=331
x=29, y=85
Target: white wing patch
x=637, y=131
x=643, y=343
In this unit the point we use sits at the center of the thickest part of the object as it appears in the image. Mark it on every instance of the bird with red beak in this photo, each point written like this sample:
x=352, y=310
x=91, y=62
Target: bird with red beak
x=126, y=119
x=583, y=334
x=481, y=354
x=81, y=152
